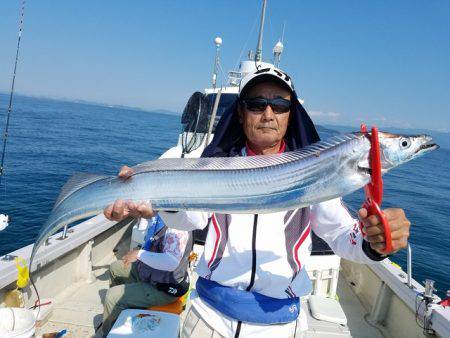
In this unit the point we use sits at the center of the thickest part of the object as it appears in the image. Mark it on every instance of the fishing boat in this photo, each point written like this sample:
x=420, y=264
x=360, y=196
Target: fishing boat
x=71, y=269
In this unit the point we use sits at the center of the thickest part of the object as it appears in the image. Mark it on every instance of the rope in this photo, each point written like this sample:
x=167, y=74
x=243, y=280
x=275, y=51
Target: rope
x=246, y=43
x=190, y=144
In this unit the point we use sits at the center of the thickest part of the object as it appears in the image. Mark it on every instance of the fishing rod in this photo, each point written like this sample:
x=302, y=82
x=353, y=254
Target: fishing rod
x=8, y=116
x=11, y=95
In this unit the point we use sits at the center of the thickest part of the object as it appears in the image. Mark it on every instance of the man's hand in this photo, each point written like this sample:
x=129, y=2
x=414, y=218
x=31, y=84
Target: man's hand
x=125, y=172
x=374, y=230
x=121, y=209
x=130, y=257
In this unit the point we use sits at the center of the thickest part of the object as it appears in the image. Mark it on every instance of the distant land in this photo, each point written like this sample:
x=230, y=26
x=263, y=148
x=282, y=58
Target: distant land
x=165, y=111
x=18, y=96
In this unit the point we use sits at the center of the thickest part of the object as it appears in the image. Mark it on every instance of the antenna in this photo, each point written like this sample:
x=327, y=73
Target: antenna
x=218, y=43
x=278, y=49
x=258, y=55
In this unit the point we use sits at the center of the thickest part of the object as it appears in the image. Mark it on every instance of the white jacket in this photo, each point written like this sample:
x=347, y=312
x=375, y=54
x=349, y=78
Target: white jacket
x=268, y=252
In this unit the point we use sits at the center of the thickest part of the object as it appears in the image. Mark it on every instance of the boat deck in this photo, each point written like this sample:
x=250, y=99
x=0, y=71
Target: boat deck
x=79, y=310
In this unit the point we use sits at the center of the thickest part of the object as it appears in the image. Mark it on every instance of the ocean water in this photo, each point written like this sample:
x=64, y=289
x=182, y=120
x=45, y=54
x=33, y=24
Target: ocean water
x=51, y=140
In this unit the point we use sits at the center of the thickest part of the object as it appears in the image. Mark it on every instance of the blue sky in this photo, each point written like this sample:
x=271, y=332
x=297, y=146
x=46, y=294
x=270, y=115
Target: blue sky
x=383, y=62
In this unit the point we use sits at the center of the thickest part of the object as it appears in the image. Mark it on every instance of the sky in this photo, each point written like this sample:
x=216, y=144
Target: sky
x=379, y=62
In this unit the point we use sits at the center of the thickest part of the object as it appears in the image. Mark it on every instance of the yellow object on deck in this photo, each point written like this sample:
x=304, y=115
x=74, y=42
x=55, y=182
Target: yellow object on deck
x=23, y=274
x=14, y=298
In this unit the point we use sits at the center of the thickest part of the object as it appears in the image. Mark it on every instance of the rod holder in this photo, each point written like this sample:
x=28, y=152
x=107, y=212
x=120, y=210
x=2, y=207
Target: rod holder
x=409, y=265
x=64, y=233
x=429, y=288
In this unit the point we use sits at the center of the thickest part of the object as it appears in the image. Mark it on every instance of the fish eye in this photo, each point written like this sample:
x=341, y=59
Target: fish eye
x=405, y=143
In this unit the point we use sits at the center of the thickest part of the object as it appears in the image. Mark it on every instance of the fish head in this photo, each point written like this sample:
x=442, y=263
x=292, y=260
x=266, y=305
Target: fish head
x=397, y=149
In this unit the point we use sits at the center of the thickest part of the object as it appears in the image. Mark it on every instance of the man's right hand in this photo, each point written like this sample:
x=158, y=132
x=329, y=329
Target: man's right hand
x=121, y=209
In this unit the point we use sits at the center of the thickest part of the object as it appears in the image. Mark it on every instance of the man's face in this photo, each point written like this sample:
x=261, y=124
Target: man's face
x=265, y=129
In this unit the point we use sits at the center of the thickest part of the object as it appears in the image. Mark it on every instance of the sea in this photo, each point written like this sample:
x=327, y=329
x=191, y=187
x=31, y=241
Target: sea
x=50, y=140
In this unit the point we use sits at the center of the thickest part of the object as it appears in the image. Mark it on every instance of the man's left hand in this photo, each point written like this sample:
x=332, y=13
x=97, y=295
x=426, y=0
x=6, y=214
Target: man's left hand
x=374, y=230
x=130, y=257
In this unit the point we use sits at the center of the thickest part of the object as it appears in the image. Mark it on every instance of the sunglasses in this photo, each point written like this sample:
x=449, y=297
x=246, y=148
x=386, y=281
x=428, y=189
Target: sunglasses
x=259, y=104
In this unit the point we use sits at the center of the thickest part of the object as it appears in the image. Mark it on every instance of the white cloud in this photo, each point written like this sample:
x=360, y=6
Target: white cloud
x=325, y=116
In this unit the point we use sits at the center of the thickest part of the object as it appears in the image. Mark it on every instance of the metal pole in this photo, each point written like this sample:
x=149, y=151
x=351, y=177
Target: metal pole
x=409, y=264
x=214, y=78
x=218, y=42
x=258, y=55
x=64, y=234
x=381, y=304
x=213, y=115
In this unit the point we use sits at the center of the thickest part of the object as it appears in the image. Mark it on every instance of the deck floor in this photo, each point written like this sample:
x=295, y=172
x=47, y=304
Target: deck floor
x=354, y=311
x=79, y=310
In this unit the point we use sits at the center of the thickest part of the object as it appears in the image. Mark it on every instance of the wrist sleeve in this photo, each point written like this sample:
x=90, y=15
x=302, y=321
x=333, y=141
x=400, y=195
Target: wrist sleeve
x=371, y=253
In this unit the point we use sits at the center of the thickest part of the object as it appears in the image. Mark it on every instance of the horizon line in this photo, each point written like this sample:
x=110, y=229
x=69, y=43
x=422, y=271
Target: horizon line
x=175, y=113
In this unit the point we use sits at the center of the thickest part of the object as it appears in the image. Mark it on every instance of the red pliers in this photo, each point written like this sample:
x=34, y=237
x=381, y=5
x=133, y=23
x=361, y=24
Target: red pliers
x=374, y=189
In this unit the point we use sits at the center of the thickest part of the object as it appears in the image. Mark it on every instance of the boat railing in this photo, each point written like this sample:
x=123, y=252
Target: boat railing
x=75, y=237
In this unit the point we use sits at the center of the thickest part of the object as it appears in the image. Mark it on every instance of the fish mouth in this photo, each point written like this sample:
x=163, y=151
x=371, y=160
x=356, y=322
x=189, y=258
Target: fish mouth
x=366, y=171
x=427, y=146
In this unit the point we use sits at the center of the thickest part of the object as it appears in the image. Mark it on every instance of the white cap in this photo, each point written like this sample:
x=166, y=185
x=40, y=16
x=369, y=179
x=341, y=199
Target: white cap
x=263, y=74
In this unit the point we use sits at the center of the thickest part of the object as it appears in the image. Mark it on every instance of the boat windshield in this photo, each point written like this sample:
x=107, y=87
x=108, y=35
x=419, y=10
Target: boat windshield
x=226, y=100
x=198, y=110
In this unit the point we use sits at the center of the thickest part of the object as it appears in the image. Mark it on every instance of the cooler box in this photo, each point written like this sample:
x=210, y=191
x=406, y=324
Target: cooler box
x=145, y=323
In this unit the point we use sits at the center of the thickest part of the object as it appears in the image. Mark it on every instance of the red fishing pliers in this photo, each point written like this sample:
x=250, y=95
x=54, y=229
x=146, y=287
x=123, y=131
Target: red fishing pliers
x=374, y=189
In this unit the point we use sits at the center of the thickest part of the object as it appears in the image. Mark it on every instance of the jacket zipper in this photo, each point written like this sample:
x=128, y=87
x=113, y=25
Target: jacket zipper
x=252, y=278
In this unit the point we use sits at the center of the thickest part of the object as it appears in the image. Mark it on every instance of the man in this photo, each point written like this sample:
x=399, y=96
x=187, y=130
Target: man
x=252, y=272
x=153, y=276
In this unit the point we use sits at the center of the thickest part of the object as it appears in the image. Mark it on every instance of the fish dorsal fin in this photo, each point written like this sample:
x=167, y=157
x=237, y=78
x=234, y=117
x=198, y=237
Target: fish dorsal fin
x=76, y=182
x=210, y=163
x=236, y=163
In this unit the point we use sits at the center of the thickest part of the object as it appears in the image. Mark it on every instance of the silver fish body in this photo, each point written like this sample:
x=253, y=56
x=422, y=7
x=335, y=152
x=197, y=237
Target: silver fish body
x=257, y=184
